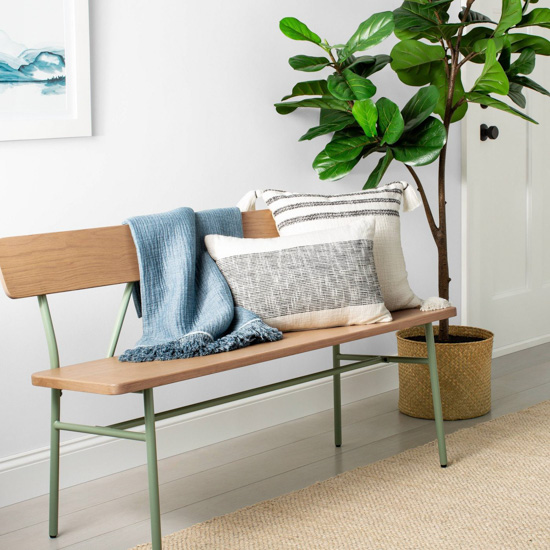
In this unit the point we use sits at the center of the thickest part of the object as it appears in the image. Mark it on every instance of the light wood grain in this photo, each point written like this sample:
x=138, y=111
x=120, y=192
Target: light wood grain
x=88, y=258
x=259, y=225
x=110, y=377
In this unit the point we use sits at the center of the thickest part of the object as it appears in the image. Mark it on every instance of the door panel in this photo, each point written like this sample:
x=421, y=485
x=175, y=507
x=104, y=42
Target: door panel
x=506, y=225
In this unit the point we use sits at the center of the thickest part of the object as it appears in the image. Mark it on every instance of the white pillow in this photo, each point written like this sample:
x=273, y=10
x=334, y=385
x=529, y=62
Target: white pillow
x=313, y=280
x=300, y=212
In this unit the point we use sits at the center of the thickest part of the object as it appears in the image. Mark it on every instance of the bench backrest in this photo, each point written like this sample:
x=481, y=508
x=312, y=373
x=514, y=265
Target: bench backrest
x=88, y=258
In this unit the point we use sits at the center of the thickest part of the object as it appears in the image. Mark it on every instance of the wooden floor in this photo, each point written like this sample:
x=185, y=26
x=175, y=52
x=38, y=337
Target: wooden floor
x=112, y=513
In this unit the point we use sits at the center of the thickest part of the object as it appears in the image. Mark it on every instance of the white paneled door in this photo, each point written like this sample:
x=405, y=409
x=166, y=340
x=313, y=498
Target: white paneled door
x=506, y=215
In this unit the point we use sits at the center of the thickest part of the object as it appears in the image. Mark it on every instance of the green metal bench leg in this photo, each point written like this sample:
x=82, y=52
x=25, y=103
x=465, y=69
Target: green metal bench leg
x=337, y=398
x=54, y=464
x=152, y=468
x=434, y=379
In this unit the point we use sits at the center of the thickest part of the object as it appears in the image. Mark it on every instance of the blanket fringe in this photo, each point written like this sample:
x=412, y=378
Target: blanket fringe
x=199, y=344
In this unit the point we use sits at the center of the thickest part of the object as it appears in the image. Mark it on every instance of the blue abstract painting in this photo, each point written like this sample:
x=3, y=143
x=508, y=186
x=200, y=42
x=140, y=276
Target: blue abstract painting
x=21, y=65
x=32, y=58
x=44, y=69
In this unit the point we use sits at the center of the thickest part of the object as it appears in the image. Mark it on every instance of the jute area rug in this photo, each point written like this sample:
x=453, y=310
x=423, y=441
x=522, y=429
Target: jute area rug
x=495, y=494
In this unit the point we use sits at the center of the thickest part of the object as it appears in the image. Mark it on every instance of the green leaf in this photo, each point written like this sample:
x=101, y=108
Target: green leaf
x=350, y=132
x=516, y=96
x=420, y=107
x=350, y=86
x=311, y=87
x=505, y=57
x=449, y=30
x=367, y=65
x=469, y=41
x=422, y=146
x=440, y=81
x=329, y=169
x=539, y=17
x=492, y=78
x=347, y=148
x=378, y=173
x=314, y=102
x=483, y=99
x=361, y=87
x=520, y=42
x=528, y=83
x=510, y=16
x=366, y=115
x=338, y=86
x=327, y=116
x=370, y=33
x=481, y=46
x=475, y=17
x=414, y=62
x=307, y=63
x=390, y=121
x=291, y=27
x=524, y=64
x=419, y=20
x=342, y=121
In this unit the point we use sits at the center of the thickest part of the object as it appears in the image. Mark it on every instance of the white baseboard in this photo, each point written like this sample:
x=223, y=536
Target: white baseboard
x=520, y=346
x=25, y=476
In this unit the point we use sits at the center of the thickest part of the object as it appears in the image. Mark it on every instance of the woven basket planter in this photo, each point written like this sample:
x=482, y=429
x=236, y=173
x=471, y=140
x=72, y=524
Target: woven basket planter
x=464, y=375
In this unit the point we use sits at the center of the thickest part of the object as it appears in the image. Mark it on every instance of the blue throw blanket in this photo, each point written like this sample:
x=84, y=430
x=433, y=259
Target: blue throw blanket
x=185, y=302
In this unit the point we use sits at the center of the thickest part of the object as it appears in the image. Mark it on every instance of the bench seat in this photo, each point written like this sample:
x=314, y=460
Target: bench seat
x=111, y=377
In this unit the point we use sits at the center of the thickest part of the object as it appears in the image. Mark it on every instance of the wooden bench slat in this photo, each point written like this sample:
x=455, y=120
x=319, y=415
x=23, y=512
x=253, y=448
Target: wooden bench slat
x=87, y=258
x=111, y=377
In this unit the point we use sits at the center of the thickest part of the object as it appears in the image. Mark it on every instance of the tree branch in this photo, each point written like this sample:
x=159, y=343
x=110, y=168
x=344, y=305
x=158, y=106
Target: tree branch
x=465, y=14
x=458, y=104
x=334, y=62
x=427, y=209
x=467, y=58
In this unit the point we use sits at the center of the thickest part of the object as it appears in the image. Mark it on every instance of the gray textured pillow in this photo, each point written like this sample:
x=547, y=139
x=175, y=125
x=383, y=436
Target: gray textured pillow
x=312, y=280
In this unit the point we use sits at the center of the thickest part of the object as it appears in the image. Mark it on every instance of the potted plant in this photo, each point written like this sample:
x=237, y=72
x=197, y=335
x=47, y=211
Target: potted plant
x=431, y=54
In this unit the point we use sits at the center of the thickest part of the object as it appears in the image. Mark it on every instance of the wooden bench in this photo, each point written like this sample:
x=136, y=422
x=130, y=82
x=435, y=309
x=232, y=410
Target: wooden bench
x=39, y=265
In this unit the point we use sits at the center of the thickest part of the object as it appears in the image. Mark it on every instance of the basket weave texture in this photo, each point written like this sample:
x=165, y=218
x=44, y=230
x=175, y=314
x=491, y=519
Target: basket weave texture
x=464, y=375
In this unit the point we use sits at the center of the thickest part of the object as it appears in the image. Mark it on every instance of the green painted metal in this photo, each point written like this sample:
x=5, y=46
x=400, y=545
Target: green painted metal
x=419, y=360
x=349, y=357
x=247, y=393
x=383, y=358
x=434, y=380
x=54, y=464
x=152, y=468
x=120, y=318
x=50, y=332
x=99, y=430
x=55, y=415
x=337, y=390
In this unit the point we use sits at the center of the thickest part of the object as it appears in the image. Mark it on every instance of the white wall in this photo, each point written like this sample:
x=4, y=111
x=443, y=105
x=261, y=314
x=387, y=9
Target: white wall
x=182, y=114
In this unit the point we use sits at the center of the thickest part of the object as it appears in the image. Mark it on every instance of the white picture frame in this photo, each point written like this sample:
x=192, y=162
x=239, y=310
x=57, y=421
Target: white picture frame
x=72, y=115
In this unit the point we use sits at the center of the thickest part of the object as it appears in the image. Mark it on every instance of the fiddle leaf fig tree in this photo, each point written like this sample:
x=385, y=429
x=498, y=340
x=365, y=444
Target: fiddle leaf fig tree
x=430, y=54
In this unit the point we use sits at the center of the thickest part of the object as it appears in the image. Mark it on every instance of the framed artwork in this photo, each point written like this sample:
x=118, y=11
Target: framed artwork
x=44, y=69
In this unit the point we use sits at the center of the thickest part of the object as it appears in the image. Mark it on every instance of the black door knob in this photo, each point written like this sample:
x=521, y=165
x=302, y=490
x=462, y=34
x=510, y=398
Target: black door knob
x=488, y=132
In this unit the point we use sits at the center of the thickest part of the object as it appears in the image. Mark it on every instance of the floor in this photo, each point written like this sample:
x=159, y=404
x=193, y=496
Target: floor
x=112, y=513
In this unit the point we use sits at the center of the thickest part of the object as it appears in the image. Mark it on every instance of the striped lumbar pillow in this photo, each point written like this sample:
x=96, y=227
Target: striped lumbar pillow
x=300, y=212
x=314, y=280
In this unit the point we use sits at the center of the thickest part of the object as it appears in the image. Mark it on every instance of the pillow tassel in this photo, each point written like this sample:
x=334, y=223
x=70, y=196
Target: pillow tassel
x=434, y=303
x=411, y=200
x=248, y=202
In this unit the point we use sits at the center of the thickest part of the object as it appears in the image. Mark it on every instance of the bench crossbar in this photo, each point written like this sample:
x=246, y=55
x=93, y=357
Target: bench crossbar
x=106, y=431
